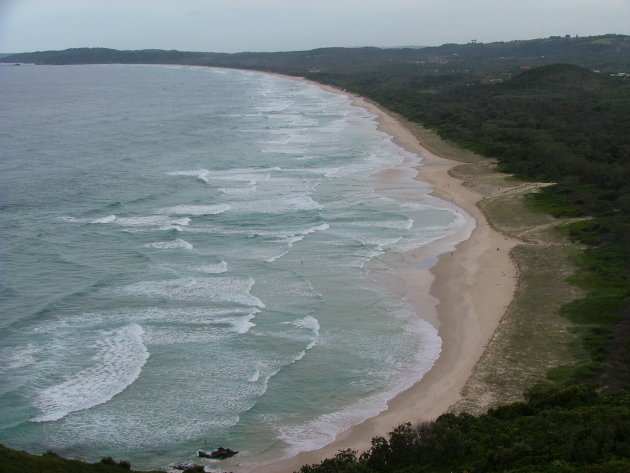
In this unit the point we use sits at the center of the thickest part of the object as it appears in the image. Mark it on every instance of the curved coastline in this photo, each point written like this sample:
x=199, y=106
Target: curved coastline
x=473, y=285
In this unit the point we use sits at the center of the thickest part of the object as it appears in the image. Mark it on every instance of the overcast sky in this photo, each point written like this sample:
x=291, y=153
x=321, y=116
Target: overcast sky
x=284, y=25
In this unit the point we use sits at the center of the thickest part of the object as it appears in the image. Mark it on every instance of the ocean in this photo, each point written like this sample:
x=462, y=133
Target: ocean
x=189, y=258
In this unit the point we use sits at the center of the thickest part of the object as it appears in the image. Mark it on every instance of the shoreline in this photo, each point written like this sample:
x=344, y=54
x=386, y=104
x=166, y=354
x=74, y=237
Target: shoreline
x=464, y=278
x=473, y=285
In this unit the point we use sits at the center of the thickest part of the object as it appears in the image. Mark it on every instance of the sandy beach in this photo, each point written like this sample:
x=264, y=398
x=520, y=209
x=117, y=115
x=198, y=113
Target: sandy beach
x=474, y=285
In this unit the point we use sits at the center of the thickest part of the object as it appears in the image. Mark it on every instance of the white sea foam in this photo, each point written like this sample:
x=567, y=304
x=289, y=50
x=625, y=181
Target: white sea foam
x=317, y=432
x=308, y=231
x=390, y=224
x=242, y=326
x=317, y=172
x=429, y=233
x=217, y=289
x=108, y=219
x=177, y=224
x=144, y=221
x=308, y=323
x=163, y=221
x=196, y=210
x=188, y=332
x=19, y=357
x=147, y=317
x=241, y=176
x=250, y=177
x=292, y=150
x=181, y=221
x=276, y=256
x=238, y=190
x=170, y=245
x=254, y=377
x=201, y=174
x=291, y=236
x=289, y=203
x=217, y=268
x=67, y=218
x=118, y=363
x=159, y=336
x=380, y=242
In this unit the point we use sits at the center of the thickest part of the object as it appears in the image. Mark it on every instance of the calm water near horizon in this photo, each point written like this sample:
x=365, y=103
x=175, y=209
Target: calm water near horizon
x=185, y=264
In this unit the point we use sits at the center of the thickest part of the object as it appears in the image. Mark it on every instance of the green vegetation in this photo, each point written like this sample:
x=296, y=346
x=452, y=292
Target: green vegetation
x=13, y=461
x=551, y=123
x=571, y=430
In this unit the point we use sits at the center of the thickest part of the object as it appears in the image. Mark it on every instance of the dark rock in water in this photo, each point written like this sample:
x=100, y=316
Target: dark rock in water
x=219, y=454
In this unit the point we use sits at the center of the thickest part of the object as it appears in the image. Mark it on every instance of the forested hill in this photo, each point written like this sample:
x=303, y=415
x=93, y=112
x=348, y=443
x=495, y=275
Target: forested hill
x=547, y=123
x=607, y=53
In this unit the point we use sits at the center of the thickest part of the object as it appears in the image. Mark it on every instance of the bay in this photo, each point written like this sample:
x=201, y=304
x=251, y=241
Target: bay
x=186, y=263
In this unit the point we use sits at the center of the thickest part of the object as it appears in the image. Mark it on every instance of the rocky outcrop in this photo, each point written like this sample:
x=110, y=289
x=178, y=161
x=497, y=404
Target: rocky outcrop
x=218, y=454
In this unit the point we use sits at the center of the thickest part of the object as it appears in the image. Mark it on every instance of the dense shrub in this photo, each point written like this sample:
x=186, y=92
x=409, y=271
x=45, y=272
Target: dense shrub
x=556, y=430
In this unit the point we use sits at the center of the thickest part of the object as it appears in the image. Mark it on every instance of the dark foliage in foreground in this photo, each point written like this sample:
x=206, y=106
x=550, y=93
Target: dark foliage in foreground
x=571, y=430
x=13, y=461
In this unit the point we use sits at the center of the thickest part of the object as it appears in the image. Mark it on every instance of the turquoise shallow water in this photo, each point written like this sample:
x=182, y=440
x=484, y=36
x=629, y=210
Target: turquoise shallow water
x=185, y=257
